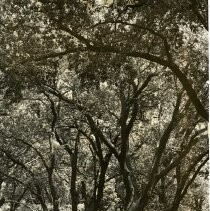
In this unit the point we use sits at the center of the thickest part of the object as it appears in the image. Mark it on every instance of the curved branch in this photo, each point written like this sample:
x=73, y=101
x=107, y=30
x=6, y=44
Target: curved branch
x=153, y=58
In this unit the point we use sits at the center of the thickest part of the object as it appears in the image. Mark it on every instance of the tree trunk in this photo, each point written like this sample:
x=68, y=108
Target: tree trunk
x=104, y=166
x=55, y=198
x=73, y=191
x=40, y=198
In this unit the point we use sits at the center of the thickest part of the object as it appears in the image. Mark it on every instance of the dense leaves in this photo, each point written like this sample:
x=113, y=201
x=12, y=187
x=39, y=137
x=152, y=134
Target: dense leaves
x=103, y=105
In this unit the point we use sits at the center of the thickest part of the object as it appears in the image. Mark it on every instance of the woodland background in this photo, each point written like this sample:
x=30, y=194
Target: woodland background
x=103, y=105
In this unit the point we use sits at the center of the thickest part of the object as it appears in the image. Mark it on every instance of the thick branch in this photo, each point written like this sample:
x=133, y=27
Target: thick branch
x=193, y=141
x=198, y=15
x=16, y=161
x=169, y=64
x=193, y=177
x=98, y=133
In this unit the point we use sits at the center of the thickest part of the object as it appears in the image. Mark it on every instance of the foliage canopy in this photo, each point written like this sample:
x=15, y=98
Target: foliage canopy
x=103, y=105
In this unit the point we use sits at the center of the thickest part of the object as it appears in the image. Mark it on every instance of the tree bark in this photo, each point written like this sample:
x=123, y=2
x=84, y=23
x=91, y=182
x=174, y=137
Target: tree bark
x=73, y=191
x=54, y=195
